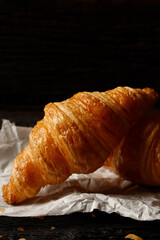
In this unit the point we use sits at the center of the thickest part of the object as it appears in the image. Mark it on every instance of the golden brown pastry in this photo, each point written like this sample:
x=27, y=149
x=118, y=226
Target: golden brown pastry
x=75, y=136
x=137, y=156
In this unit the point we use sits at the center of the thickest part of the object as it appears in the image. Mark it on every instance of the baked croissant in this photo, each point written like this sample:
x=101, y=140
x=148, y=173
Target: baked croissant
x=75, y=136
x=137, y=156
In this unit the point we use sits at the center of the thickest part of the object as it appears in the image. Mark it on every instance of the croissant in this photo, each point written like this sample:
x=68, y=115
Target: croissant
x=137, y=156
x=75, y=136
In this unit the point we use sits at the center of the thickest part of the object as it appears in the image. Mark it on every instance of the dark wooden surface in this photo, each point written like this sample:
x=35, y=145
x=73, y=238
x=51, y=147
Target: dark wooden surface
x=50, y=50
x=78, y=226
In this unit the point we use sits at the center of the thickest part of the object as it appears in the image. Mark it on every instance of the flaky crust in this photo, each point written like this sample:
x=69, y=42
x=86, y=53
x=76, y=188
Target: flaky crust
x=137, y=156
x=75, y=136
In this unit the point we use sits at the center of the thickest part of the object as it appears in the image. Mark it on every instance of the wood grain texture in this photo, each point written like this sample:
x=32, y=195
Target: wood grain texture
x=78, y=226
x=50, y=50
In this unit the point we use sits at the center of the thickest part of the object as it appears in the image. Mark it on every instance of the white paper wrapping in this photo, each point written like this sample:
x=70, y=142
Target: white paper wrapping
x=102, y=190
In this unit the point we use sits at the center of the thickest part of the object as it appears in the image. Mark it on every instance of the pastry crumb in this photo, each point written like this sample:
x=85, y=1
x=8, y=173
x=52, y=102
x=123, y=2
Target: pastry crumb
x=52, y=228
x=93, y=215
x=2, y=210
x=1, y=236
x=21, y=238
x=40, y=217
x=133, y=236
x=20, y=229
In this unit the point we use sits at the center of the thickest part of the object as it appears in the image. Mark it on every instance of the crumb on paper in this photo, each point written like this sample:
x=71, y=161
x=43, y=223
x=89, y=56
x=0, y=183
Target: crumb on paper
x=52, y=228
x=39, y=217
x=133, y=236
x=20, y=229
x=2, y=210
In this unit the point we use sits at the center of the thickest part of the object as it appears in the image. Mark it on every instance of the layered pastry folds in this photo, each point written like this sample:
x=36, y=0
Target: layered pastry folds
x=75, y=136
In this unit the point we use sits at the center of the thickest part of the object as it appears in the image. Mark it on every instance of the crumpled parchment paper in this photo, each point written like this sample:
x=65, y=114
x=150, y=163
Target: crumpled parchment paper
x=101, y=190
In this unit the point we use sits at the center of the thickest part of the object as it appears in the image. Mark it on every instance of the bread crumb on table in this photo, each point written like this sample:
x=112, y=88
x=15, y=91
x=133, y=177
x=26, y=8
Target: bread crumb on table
x=93, y=215
x=39, y=217
x=20, y=229
x=133, y=236
x=52, y=228
x=2, y=210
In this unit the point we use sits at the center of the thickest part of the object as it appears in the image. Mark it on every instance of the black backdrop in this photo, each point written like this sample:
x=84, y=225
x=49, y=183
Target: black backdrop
x=50, y=50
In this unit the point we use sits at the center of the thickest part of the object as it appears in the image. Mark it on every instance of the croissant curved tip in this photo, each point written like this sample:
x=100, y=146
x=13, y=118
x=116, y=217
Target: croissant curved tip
x=6, y=196
x=151, y=93
x=9, y=196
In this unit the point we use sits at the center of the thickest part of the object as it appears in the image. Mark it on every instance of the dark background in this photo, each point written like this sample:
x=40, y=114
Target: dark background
x=50, y=50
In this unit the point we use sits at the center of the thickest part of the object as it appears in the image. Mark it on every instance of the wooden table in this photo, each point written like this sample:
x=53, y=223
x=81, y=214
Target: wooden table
x=78, y=226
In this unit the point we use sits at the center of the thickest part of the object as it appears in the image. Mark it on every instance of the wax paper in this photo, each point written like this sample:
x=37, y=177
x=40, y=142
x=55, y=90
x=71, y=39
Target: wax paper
x=102, y=190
